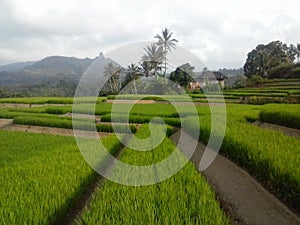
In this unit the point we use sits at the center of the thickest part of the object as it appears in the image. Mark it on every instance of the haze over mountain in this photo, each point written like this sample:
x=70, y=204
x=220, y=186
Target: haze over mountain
x=16, y=66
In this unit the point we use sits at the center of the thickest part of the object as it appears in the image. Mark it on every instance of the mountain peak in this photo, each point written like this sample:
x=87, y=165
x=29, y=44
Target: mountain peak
x=101, y=56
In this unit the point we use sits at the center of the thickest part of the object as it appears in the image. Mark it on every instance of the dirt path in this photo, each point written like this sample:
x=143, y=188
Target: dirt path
x=286, y=130
x=241, y=196
x=52, y=130
x=5, y=122
x=19, y=105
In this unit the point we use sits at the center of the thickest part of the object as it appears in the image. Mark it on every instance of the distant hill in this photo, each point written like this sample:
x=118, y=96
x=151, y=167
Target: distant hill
x=232, y=72
x=54, y=75
x=50, y=69
x=15, y=66
x=51, y=76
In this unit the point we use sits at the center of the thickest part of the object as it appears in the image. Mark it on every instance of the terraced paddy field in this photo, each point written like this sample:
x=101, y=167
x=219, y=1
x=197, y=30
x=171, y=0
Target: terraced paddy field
x=44, y=176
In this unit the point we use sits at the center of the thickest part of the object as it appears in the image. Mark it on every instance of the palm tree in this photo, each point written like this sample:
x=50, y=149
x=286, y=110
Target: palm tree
x=165, y=40
x=134, y=71
x=112, y=72
x=145, y=67
x=154, y=57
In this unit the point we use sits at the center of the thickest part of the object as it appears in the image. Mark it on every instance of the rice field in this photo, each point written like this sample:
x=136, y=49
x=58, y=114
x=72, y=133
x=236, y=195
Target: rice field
x=185, y=198
x=270, y=156
x=287, y=116
x=43, y=175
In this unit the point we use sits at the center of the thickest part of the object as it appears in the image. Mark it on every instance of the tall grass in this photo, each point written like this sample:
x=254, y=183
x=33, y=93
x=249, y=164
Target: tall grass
x=289, y=116
x=185, y=198
x=42, y=176
x=140, y=119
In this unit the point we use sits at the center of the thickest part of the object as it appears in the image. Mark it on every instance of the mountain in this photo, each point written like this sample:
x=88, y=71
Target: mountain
x=51, y=76
x=15, y=66
x=54, y=75
x=50, y=69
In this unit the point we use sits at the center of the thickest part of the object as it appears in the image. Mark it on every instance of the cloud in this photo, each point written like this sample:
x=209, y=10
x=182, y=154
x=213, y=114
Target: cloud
x=221, y=33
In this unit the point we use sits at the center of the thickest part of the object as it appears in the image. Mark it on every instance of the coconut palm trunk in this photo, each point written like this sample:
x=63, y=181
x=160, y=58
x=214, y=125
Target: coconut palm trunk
x=134, y=87
x=165, y=60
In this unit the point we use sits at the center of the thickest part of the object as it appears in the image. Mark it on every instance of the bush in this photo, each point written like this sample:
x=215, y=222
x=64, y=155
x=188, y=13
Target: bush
x=255, y=80
x=295, y=73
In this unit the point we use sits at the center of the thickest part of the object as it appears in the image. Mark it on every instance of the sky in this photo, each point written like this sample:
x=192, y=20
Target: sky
x=219, y=33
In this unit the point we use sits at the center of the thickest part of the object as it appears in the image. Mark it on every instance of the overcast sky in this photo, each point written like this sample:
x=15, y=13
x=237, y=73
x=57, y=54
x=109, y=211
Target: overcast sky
x=220, y=33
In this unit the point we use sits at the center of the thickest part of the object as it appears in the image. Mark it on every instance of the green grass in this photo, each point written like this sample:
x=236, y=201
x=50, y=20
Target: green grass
x=41, y=176
x=150, y=97
x=66, y=122
x=164, y=110
x=119, y=118
x=41, y=110
x=214, y=96
x=259, y=94
x=288, y=116
x=185, y=198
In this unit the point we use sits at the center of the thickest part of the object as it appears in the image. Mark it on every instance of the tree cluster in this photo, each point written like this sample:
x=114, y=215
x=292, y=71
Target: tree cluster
x=153, y=63
x=269, y=60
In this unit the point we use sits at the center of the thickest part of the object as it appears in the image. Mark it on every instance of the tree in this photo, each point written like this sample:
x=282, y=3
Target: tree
x=145, y=66
x=240, y=81
x=154, y=57
x=266, y=60
x=183, y=75
x=133, y=72
x=167, y=43
x=112, y=71
x=298, y=52
x=293, y=50
x=188, y=69
x=265, y=57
